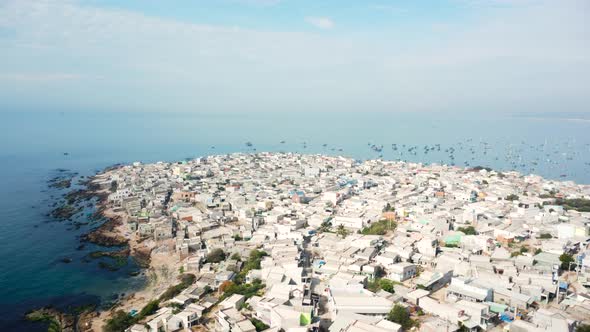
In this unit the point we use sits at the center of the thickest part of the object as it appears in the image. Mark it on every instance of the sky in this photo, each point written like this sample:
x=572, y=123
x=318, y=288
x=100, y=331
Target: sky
x=295, y=55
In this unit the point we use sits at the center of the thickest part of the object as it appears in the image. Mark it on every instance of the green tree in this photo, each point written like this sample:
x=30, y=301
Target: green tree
x=253, y=263
x=388, y=208
x=114, y=186
x=583, y=328
x=216, y=255
x=325, y=227
x=566, y=259
x=401, y=316
x=512, y=197
x=387, y=285
x=578, y=204
x=463, y=328
x=342, y=232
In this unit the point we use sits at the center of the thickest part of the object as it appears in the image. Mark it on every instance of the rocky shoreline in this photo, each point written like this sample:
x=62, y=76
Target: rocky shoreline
x=109, y=234
x=78, y=320
x=106, y=235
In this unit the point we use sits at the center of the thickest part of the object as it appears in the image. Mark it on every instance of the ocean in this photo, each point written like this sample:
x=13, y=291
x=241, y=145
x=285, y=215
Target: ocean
x=35, y=147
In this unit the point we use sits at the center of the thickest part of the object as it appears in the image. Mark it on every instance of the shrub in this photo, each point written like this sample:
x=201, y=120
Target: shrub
x=119, y=322
x=186, y=280
x=149, y=309
x=469, y=230
x=379, y=228
x=259, y=325
x=225, y=285
x=381, y=283
x=248, y=290
x=253, y=263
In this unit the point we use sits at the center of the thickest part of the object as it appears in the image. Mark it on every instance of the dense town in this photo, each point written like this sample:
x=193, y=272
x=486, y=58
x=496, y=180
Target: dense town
x=289, y=242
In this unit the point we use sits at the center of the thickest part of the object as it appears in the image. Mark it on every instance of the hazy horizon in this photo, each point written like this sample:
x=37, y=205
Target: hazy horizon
x=465, y=56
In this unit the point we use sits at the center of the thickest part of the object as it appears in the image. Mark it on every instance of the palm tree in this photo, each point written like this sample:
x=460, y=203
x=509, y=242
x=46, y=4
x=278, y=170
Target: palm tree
x=342, y=231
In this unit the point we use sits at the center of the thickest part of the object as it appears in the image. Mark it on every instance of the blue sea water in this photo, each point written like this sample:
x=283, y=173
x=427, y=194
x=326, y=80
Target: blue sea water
x=32, y=147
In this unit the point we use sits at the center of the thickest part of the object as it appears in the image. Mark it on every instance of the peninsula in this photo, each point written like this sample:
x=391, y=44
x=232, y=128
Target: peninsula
x=290, y=242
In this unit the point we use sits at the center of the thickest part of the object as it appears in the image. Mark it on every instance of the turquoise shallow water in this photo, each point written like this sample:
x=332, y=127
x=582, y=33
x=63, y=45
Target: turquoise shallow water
x=32, y=147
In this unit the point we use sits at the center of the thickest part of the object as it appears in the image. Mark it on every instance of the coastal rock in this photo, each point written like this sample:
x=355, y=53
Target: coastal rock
x=142, y=256
x=119, y=258
x=112, y=254
x=106, y=235
x=57, y=320
x=60, y=183
x=80, y=195
x=64, y=212
x=85, y=320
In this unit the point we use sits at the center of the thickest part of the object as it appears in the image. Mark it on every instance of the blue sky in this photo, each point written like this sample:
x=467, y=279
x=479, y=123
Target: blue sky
x=285, y=56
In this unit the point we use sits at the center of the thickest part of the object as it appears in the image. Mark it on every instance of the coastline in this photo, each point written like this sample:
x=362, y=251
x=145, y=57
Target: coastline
x=159, y=266
x=158, y=259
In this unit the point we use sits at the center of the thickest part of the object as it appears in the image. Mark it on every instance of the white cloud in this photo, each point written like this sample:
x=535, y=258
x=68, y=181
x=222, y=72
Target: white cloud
x=529, y=57
x=263, y=3
x=392, y=9
x=39, y=77
x=320, y=22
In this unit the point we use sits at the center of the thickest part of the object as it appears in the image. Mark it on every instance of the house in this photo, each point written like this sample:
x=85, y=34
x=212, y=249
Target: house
x=349, y=222
x=434, y=280
x=468, y=289
x=479, y=314
x=343, y=301
x=401, y=271
x=231, y=320
x=137, y=328
x=234, y=301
